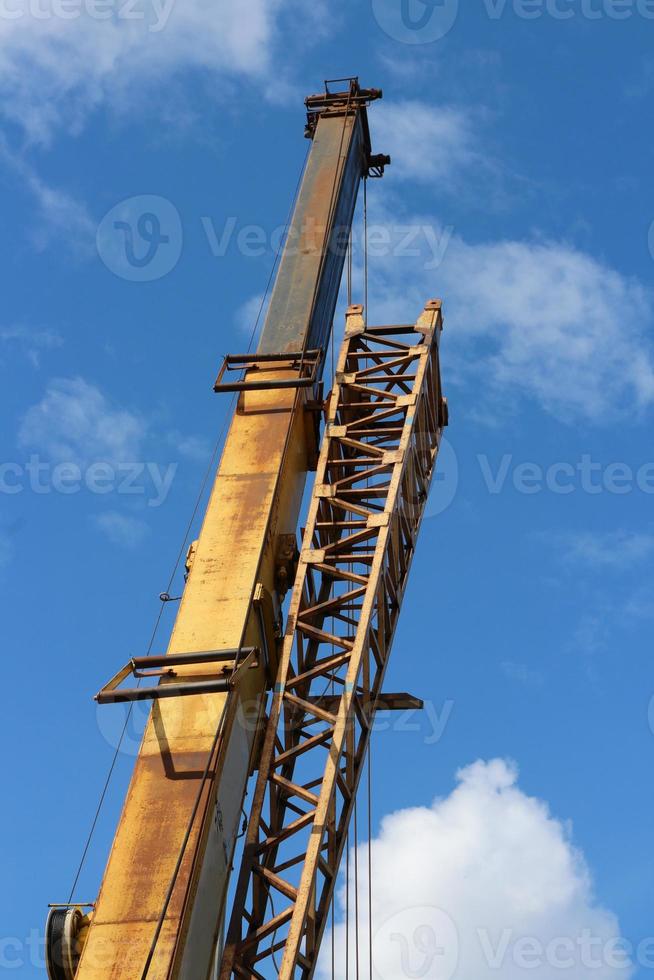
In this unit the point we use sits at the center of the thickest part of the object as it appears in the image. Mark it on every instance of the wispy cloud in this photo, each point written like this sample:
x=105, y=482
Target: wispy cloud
x=58, y=214
x=76, y=421
x=640, y=605
x=121, y=529
x=248, y=312
x=427, y=143
x=607, y=549
x=55, y=71
x=32, y=343
x=534, y=320
x=194, y=448
x=592, y=632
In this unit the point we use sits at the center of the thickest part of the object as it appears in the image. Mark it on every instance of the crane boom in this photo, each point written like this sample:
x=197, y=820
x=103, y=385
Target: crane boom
x=383, y=430
x=162, y=900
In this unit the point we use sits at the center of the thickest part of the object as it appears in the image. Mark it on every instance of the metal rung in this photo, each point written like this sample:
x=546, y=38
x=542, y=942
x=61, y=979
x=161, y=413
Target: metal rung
x=162, y=665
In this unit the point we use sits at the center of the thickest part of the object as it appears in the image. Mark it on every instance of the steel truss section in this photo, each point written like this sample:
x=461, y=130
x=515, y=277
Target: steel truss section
x=385, y=419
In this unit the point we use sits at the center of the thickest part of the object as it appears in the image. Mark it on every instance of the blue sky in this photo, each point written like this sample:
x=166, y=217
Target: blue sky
x=521, y=193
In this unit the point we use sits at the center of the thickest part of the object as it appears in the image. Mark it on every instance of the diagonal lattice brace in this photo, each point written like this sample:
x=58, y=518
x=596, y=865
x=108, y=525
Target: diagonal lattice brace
x=385, y=420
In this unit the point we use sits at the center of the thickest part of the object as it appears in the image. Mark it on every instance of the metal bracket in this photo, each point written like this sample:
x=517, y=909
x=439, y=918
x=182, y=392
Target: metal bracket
x=306, y=364
x=348, y=98
x=384, y=702
x=376, y=163
x=162, y=665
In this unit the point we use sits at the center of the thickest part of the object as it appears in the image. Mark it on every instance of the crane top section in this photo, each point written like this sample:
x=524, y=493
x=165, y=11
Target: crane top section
x=304, y=297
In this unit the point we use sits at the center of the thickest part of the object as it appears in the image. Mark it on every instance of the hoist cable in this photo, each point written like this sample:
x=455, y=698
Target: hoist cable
x=365, y=251
x=347, y=905
x=349, y=269
x=370, y=853
x=356, y=885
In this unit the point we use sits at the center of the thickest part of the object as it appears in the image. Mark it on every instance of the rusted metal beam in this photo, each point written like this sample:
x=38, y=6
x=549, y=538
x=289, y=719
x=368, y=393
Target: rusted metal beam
x=303, y=301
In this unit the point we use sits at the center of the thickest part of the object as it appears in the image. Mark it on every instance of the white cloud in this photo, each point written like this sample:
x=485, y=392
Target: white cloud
x=54, y=71
x=561, y=326
x=31, y=342
x=591, y=635
x=641, y=604
x=252, y=312
x=608, y=549
x=58, y=213
x=127, y=532
x=459, y=886
x=75, y=421
x=427, y=143
x=536, y=319
x=194, y=448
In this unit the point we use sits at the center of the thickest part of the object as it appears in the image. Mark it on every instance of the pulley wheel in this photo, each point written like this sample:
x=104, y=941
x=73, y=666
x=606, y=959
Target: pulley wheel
x=61, y=953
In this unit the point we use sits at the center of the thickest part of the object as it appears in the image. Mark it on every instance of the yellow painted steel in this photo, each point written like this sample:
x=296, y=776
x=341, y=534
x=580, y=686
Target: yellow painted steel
x=256, y=496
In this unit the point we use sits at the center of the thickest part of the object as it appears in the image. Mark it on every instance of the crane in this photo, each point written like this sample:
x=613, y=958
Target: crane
x=276, y=662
